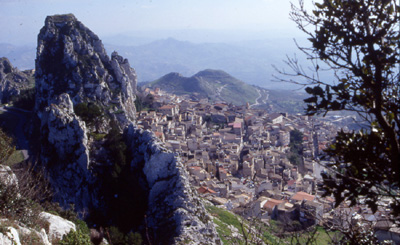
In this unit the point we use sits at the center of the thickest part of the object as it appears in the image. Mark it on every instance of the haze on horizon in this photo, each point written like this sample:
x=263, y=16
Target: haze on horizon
x=189, y=20
x=251, y=35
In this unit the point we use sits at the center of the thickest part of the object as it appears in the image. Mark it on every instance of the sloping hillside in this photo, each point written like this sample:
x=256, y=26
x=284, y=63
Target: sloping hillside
x=213, y=84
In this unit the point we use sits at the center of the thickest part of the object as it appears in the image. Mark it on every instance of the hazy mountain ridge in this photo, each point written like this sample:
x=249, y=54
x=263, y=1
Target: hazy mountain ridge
x=22, y=57
x=250, y=61
x=213, y=84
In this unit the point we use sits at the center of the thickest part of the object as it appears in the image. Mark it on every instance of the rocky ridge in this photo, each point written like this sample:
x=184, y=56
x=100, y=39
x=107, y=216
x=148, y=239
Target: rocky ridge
x=215, y=85
x=82, y=93
x=72, y=68
x=12, y=80
x=174, y=207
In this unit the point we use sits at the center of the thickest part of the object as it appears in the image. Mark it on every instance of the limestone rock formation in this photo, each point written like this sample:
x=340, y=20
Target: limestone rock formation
x=175, y=212
x=10, y=237
x=12, y=80
x=73, y=68
x=81, y=93
x=71, y=59
x=58, y=227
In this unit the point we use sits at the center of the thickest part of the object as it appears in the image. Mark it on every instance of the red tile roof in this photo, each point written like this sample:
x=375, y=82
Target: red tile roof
x=205, y=190
x=300, y=196
x=271, y=203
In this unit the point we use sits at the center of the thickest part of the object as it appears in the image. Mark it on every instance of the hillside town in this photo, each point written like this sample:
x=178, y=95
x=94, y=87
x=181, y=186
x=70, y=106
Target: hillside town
x=237, y=157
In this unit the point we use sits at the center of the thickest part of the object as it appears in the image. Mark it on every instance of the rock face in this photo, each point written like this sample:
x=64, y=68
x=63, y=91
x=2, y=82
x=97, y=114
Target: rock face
x=58, y=227
x=73, y=68
x=12, y=81
x=75, y=79
x=71, y=59
x=176, y=214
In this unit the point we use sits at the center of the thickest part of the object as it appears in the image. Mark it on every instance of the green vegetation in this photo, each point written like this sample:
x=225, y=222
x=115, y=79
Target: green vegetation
x=7, y=147
x=362, y=51
x=272, y=233
x=118, y=238
x=296, y=148
x=97, y=136
x=78, y=237
x=126, y=201
x=286, y=101
x=214, y=84
x=144, y=103
x=226, y=220
x=16, y=157
x=224, y=216
x=89, y=112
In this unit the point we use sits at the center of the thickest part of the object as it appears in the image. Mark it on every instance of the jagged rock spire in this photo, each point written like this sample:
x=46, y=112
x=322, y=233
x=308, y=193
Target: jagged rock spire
x=72, y=59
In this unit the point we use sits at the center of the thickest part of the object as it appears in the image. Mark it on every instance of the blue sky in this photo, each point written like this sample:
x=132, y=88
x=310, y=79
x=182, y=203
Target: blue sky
x=21, y=20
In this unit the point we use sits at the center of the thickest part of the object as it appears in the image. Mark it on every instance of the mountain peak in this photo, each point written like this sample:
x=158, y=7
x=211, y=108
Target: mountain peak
x=209, y=83
x=61, y=18
x=212, y=73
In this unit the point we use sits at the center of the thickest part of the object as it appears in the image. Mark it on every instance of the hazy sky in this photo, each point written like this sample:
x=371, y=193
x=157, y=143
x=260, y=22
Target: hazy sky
x=21, y=20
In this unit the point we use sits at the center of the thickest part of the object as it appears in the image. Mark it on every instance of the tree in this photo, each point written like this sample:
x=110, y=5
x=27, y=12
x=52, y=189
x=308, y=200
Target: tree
x=358, y=41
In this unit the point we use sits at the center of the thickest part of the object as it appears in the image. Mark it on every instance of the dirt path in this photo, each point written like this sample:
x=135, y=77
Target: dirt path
x=258, y=98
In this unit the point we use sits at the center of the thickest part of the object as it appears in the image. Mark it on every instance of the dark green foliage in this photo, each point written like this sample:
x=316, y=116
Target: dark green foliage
x=143, y=102
x=296, y=148
x=56, y=209
x=358, y=41
x=296, y=141
x=124, y=197
x=118, y=238
x=78, y=237
x=117, y=149
x=89, y=112
x=7, y=147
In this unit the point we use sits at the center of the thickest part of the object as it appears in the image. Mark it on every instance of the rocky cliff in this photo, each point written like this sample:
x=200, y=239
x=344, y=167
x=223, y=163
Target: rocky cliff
x=175, y=212
x=12, y=80
x=71, y=59
x=74, y=71
x=84, y=103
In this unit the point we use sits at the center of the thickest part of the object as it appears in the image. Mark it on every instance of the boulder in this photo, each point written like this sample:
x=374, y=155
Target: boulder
x=58, y=227
x=10, y=237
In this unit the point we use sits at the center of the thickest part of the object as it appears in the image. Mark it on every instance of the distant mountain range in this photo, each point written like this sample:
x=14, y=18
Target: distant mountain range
x=22, y=57
x=216, y=85
x=249, y=61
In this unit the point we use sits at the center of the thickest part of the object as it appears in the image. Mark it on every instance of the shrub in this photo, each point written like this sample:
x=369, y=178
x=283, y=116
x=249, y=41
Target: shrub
x=89, y=112
x=77, y=237
x=118, y=238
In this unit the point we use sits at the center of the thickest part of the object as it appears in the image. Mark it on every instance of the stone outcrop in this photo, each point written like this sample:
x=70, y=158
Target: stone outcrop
x=58, y=227
x=10, y=237
x=12, y=80
x=71, y=59
x=72, y=67
x=74, y=71
x=175, y=212
x=67, y=139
